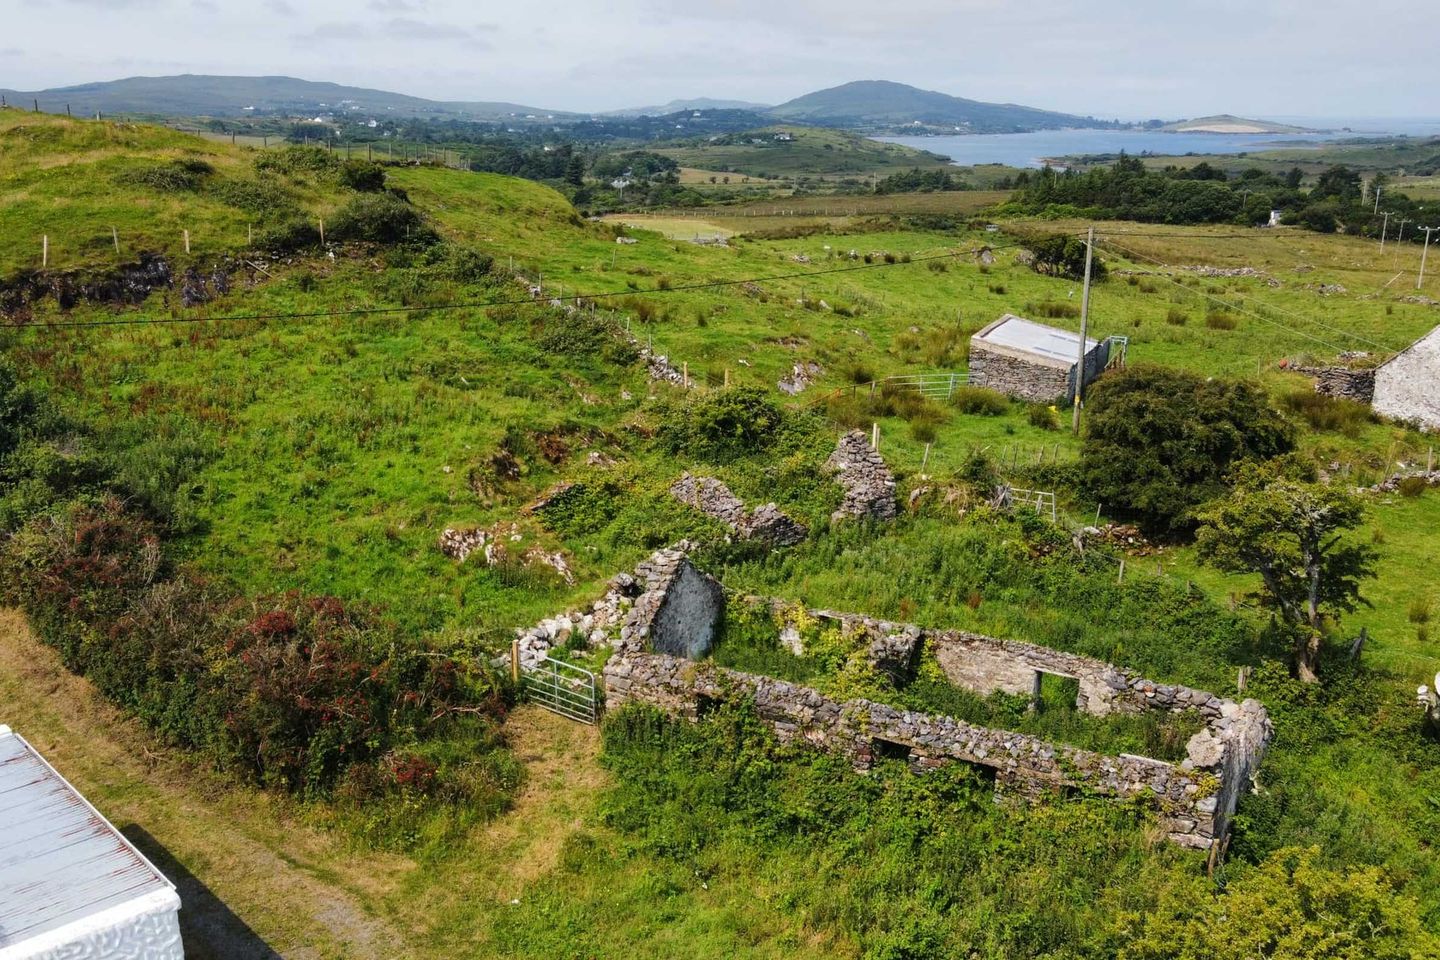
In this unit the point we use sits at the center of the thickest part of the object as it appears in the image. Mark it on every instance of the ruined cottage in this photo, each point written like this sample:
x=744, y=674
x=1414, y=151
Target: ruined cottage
x=675, y=611
x=1406, y=384
x=1031, y=361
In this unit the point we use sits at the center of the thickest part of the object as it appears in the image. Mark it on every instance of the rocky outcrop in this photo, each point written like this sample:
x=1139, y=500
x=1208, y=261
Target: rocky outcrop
x=801, y=376
x=714, y=499
x=868, y=483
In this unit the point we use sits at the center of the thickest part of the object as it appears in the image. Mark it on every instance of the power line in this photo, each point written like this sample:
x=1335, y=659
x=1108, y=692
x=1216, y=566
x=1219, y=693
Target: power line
x=516, y=301
x=1225, y=303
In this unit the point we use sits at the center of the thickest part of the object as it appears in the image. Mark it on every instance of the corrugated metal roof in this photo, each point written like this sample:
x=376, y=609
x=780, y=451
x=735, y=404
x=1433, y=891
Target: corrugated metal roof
x=1028, y=336
x=60, y=860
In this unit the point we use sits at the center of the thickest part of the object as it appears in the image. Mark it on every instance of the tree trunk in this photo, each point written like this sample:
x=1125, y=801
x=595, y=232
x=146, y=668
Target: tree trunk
x=1307, y=656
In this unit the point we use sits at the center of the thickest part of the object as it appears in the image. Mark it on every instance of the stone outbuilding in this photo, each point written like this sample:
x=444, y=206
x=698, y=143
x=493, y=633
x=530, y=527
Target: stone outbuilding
x=1407, y=386
x=1028, y=360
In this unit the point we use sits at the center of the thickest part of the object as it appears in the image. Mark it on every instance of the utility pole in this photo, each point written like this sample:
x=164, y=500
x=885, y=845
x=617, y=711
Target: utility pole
x=1423, y=254
x=1377, y=199
x=1385, y=225
x=1403, y=221
x=1084, y=326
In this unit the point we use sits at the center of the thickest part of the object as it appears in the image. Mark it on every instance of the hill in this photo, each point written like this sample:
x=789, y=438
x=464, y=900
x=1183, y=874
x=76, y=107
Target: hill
x=1229, y=123
x=220, y=96
x=884, y=104
x=698, y=103
x=788, y=150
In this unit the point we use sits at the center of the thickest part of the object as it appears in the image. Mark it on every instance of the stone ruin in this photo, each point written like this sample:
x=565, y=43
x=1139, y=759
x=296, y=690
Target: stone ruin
x=669, y=613
x=868, y=483
x=714, y=499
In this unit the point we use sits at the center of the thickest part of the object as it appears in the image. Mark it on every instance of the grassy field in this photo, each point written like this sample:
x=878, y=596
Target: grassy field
x=326, y=451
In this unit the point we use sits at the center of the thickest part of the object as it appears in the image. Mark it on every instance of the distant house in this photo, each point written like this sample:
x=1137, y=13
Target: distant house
x=71, y=885
x=1407, y=386
x=1021, y=358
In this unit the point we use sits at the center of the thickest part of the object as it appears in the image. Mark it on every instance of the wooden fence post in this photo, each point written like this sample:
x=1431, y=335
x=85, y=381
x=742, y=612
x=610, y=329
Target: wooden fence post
x=44, y=250
x=187, y=240
x=115, y=238
x=322, y=232
x=515, y=661
x=1121, y=577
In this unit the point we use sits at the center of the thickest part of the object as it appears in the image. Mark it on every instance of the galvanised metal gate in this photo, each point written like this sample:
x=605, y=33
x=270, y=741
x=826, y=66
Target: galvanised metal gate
x=562, y=688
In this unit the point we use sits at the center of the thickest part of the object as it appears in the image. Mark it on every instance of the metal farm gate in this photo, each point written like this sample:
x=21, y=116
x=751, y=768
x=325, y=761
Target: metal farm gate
x=562, y=688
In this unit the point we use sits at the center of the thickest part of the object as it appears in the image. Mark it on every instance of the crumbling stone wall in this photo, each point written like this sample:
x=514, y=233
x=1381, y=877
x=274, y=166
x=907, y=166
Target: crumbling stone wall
x=1407, y=387
x=713, y=498
x=1348, y=384
x=674, y=619
x=868, y=483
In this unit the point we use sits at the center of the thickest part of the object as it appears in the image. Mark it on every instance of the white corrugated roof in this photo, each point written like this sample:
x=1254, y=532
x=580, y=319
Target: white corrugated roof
x=1028, y=336
x=60, y=860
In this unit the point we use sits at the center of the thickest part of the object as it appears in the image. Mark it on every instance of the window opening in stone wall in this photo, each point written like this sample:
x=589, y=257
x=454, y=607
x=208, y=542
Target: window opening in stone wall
x=1054, y=693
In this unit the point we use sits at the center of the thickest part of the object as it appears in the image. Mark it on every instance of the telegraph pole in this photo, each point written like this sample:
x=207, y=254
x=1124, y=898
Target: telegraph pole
x=1383, y=227
x=1084, y=326
x=1403, y=221
x=1423, y=253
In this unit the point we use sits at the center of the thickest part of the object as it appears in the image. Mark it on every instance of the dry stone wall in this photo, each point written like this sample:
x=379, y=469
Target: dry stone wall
x=868, y=483
x=1343, y=382
x=714, y=499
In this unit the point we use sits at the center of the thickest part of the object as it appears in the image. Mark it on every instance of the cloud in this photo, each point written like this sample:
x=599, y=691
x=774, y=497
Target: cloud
x=396, y=6
x=205, y=6
x=283, y=7
x=10, y=53
x=334, y=30
x=407, y=28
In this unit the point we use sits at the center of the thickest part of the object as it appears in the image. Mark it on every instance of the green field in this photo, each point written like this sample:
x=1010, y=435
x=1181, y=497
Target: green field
x=295, y=442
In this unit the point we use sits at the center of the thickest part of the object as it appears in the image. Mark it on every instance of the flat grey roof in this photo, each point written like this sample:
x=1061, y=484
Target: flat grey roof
x=1027, y=336
x=60, y=860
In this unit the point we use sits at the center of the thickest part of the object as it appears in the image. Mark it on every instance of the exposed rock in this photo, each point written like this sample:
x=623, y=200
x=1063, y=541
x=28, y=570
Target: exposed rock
x=801, y=376
x=861, y=471
x=459, y=543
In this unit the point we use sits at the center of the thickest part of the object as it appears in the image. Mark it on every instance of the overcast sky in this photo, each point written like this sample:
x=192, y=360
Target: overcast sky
x=1109, y=58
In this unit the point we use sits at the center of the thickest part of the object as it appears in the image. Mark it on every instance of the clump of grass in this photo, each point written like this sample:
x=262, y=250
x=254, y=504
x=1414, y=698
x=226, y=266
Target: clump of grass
x=1176, y=317
x=979, y=401
x=1419, y=611
x=857, y=372
x=1220, y=320
x=997, y=288
x=1148, y=287
x=1413, y=486
x=1053, y=309
x=1335, y=414
x=937, y=266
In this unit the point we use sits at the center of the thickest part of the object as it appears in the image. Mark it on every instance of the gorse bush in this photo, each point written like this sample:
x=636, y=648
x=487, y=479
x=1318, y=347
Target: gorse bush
x=721, y=425
x=379, y=218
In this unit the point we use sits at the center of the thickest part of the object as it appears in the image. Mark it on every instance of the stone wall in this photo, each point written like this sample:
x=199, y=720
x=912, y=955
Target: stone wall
x=1358, y=385
x=1014, y=377
x=672, y=622
x=714, y=499
x=868, y=483
x=1407, y=387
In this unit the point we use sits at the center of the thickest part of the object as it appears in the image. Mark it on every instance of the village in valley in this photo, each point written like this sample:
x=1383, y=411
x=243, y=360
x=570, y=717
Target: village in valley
x=455, y=528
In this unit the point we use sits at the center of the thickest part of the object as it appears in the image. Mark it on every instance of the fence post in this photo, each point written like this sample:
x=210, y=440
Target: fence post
x=515, y=661
x=1121, y=577
x=44, y=250
x=875, y=436
x=115, y=238
x=187, y=240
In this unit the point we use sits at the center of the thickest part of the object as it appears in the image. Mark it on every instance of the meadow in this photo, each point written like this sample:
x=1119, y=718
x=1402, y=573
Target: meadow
x=299, y=443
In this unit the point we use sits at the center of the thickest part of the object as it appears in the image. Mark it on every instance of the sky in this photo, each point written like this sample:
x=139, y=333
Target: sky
x=1107, y=58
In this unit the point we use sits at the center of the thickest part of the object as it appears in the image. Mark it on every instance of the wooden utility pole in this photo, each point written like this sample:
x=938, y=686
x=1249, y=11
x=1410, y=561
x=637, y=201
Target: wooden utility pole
x=1425, y=252
x=1084, y=327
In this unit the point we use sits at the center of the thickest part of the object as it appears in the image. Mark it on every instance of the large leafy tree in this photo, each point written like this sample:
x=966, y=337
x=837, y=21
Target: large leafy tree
x=1291, y=530
x=1159, y=442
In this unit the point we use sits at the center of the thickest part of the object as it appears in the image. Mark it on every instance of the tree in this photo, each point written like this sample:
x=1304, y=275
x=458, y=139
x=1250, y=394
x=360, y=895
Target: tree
x=1282, y=524
x=1160, y=442
x=575, y=171
x=1062, y=256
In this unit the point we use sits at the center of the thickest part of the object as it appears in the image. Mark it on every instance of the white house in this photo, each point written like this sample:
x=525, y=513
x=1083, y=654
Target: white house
x=72, y=887
x=1407, y=386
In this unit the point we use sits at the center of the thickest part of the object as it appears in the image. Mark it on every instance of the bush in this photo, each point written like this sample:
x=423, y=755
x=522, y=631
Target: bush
x=363, y=175
x=980, y=401
x=178, y=176
x=1176, y=318
x=257, y=197
x=1413, y=486
x=1220, y=320
x=722, y=425
x=297, y=233
x=1040, y=415
x=1159, y=442
x=379, y=218
x=1321, y=412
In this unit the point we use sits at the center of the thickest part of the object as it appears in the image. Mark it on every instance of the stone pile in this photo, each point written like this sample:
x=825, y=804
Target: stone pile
x=599, y=624
x=457, y=543
x=802, y=374
x=1350, y=384
x=861, y=471
x=1391, y=484
x=714, y=499
x=460, y=543
x=1126, y=536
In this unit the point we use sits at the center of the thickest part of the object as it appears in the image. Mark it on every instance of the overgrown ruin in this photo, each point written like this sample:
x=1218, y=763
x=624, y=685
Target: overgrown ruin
x=669, y=613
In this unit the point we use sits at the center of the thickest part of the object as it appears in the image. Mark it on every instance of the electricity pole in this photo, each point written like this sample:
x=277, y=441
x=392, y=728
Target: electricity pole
x=1377, y=199
x=1383, y=227
x=1084, y=326
x=1403, y=221
x=1423, y=253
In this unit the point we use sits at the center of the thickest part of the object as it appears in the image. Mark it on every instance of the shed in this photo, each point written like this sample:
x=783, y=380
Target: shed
x=1407, y=386
x=1021, y=358
x=71, y=885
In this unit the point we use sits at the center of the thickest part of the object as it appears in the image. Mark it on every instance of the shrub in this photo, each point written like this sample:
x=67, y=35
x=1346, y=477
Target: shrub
x=980, y=401
x=722, y=425
x=1042, y=416
x=1337, y=414
x=1159, y=442
x=256, y=197
x=379, y=218
x=1413, y=486
x=179, y=176
x=297, y=233
x=1220, y=320
x=293, y=161
x=363, y=175
x=1176, y=318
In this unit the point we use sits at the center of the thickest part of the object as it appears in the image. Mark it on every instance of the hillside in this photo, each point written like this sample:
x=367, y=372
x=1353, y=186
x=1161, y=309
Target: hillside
x=790, y=150
x=1228, y=123
x=885, y=104
x=220, y=96
x=697, y=103
x=297, y=440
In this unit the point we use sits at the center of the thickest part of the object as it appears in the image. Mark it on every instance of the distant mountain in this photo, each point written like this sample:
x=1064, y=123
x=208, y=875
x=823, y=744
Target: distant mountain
x=198, y=95
x=698, y=103
x=1228, y=123
x=882, y=104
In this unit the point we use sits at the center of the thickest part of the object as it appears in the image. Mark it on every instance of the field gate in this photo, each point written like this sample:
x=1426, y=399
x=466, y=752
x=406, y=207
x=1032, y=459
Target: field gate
x=562, y=688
